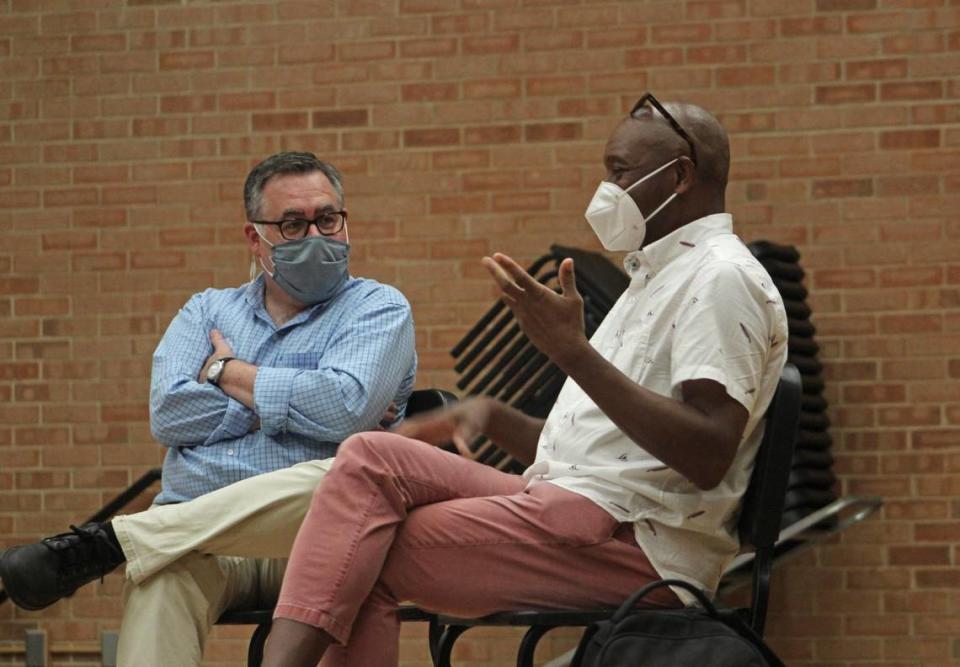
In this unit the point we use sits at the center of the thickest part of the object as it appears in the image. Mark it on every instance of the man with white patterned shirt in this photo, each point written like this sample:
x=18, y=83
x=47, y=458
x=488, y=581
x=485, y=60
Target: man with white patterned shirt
x=639, y=469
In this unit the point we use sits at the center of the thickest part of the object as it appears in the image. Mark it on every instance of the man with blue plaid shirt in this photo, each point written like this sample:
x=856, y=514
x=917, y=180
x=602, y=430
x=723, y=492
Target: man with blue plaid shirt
x=267, y=377
x=264, y=376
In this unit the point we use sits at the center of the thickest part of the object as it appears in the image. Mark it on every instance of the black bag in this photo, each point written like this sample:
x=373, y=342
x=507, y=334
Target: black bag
x=685, y=637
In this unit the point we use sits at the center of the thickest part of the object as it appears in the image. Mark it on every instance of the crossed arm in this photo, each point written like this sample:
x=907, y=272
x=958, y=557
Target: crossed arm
x=348, y=390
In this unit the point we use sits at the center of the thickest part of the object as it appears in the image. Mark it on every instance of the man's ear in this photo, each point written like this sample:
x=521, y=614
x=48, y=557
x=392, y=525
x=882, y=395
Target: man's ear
x=250, y=233
x=686, y=173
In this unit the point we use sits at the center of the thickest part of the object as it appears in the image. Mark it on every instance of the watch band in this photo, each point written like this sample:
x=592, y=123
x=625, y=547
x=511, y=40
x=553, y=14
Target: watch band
x=223, y=364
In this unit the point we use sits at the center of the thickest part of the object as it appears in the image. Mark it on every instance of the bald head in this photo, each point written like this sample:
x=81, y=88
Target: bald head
x=710, y=139
x=707, y=135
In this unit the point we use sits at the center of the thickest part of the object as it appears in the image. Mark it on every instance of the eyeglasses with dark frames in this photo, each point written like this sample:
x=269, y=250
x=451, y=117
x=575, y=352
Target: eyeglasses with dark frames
x=327, y=223
x=649, y=98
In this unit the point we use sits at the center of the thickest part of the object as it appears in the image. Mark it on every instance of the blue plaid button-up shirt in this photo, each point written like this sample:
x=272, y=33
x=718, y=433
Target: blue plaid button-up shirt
x=330, y=371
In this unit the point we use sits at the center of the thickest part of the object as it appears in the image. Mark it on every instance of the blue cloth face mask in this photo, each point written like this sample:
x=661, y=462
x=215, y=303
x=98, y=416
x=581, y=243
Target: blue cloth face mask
x=311, y=269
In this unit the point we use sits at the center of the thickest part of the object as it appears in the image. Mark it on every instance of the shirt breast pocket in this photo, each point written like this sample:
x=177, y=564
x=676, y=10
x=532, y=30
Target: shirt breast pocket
x=631, y=347
x=304, y=360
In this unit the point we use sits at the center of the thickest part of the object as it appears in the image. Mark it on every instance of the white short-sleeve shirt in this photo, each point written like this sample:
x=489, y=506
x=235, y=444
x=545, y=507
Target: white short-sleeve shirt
x=699, y=306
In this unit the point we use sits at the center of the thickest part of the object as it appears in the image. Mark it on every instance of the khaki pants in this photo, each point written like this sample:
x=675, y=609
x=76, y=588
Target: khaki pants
x=189, y=562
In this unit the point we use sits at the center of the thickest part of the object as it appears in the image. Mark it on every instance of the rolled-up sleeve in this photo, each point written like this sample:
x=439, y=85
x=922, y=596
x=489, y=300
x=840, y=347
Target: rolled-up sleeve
x=183, y=411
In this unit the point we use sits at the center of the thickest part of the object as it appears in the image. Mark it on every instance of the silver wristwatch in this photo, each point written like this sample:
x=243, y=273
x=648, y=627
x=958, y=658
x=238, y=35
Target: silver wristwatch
x=215, y=370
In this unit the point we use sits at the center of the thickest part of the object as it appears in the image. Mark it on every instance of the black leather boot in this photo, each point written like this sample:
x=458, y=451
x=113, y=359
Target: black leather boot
x=37, y=575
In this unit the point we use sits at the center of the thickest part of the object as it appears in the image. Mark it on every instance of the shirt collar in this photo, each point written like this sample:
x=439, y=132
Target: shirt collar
x=255, y=293
x=663, y=251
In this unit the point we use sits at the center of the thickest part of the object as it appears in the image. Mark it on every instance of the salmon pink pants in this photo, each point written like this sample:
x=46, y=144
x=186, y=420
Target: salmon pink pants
x=399, y=520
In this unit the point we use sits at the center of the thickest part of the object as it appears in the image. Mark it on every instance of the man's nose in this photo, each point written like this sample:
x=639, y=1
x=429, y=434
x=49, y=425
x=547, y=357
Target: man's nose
x=313, y=229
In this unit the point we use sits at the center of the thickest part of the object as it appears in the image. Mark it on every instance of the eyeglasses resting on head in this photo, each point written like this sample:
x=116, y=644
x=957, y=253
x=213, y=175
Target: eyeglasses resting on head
x=648, y=98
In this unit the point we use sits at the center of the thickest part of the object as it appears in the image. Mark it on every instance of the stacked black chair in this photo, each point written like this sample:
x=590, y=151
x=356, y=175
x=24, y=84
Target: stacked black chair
x=812, y=510
x=812, y=480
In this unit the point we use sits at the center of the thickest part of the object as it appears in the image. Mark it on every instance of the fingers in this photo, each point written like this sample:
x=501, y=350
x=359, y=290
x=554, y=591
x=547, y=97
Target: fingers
x=220, y=345
x=568, y=280
x=516, y=272
x=508, y=288
x=389, y=416
x=514, y=282
x=428, y=428
x=463, y=447
x=440, y=428
x=408, y=428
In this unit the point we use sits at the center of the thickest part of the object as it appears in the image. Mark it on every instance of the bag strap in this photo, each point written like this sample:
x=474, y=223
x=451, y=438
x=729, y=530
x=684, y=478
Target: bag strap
x=729, y=618
x=624, y=610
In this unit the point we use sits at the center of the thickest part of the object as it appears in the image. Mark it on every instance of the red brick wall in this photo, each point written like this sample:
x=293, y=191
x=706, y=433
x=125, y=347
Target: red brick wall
x=463, y=127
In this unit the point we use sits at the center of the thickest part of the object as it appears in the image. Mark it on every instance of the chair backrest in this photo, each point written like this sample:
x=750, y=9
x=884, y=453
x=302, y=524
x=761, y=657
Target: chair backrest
x=759, y=523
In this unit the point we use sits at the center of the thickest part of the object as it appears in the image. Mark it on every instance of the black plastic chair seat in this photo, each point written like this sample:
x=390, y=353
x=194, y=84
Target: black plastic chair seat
x=409, y=613
x=246, y=617
x=795, y=514
x=429, y=399
x=552, y=617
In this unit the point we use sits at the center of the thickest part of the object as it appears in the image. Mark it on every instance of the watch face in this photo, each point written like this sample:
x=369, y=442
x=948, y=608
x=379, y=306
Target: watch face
x=213, y=372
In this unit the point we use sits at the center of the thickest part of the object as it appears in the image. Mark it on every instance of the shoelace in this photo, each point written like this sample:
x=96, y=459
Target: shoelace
x=87, y=555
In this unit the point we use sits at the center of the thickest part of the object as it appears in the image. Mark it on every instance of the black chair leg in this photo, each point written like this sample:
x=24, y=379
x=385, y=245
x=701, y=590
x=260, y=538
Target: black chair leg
x=445, y=645
x=435, y=633
x=529, y=644
x=257, y=642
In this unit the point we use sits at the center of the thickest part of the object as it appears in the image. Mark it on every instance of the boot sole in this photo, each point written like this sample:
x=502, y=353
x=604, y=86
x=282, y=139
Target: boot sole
x=16, y=599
